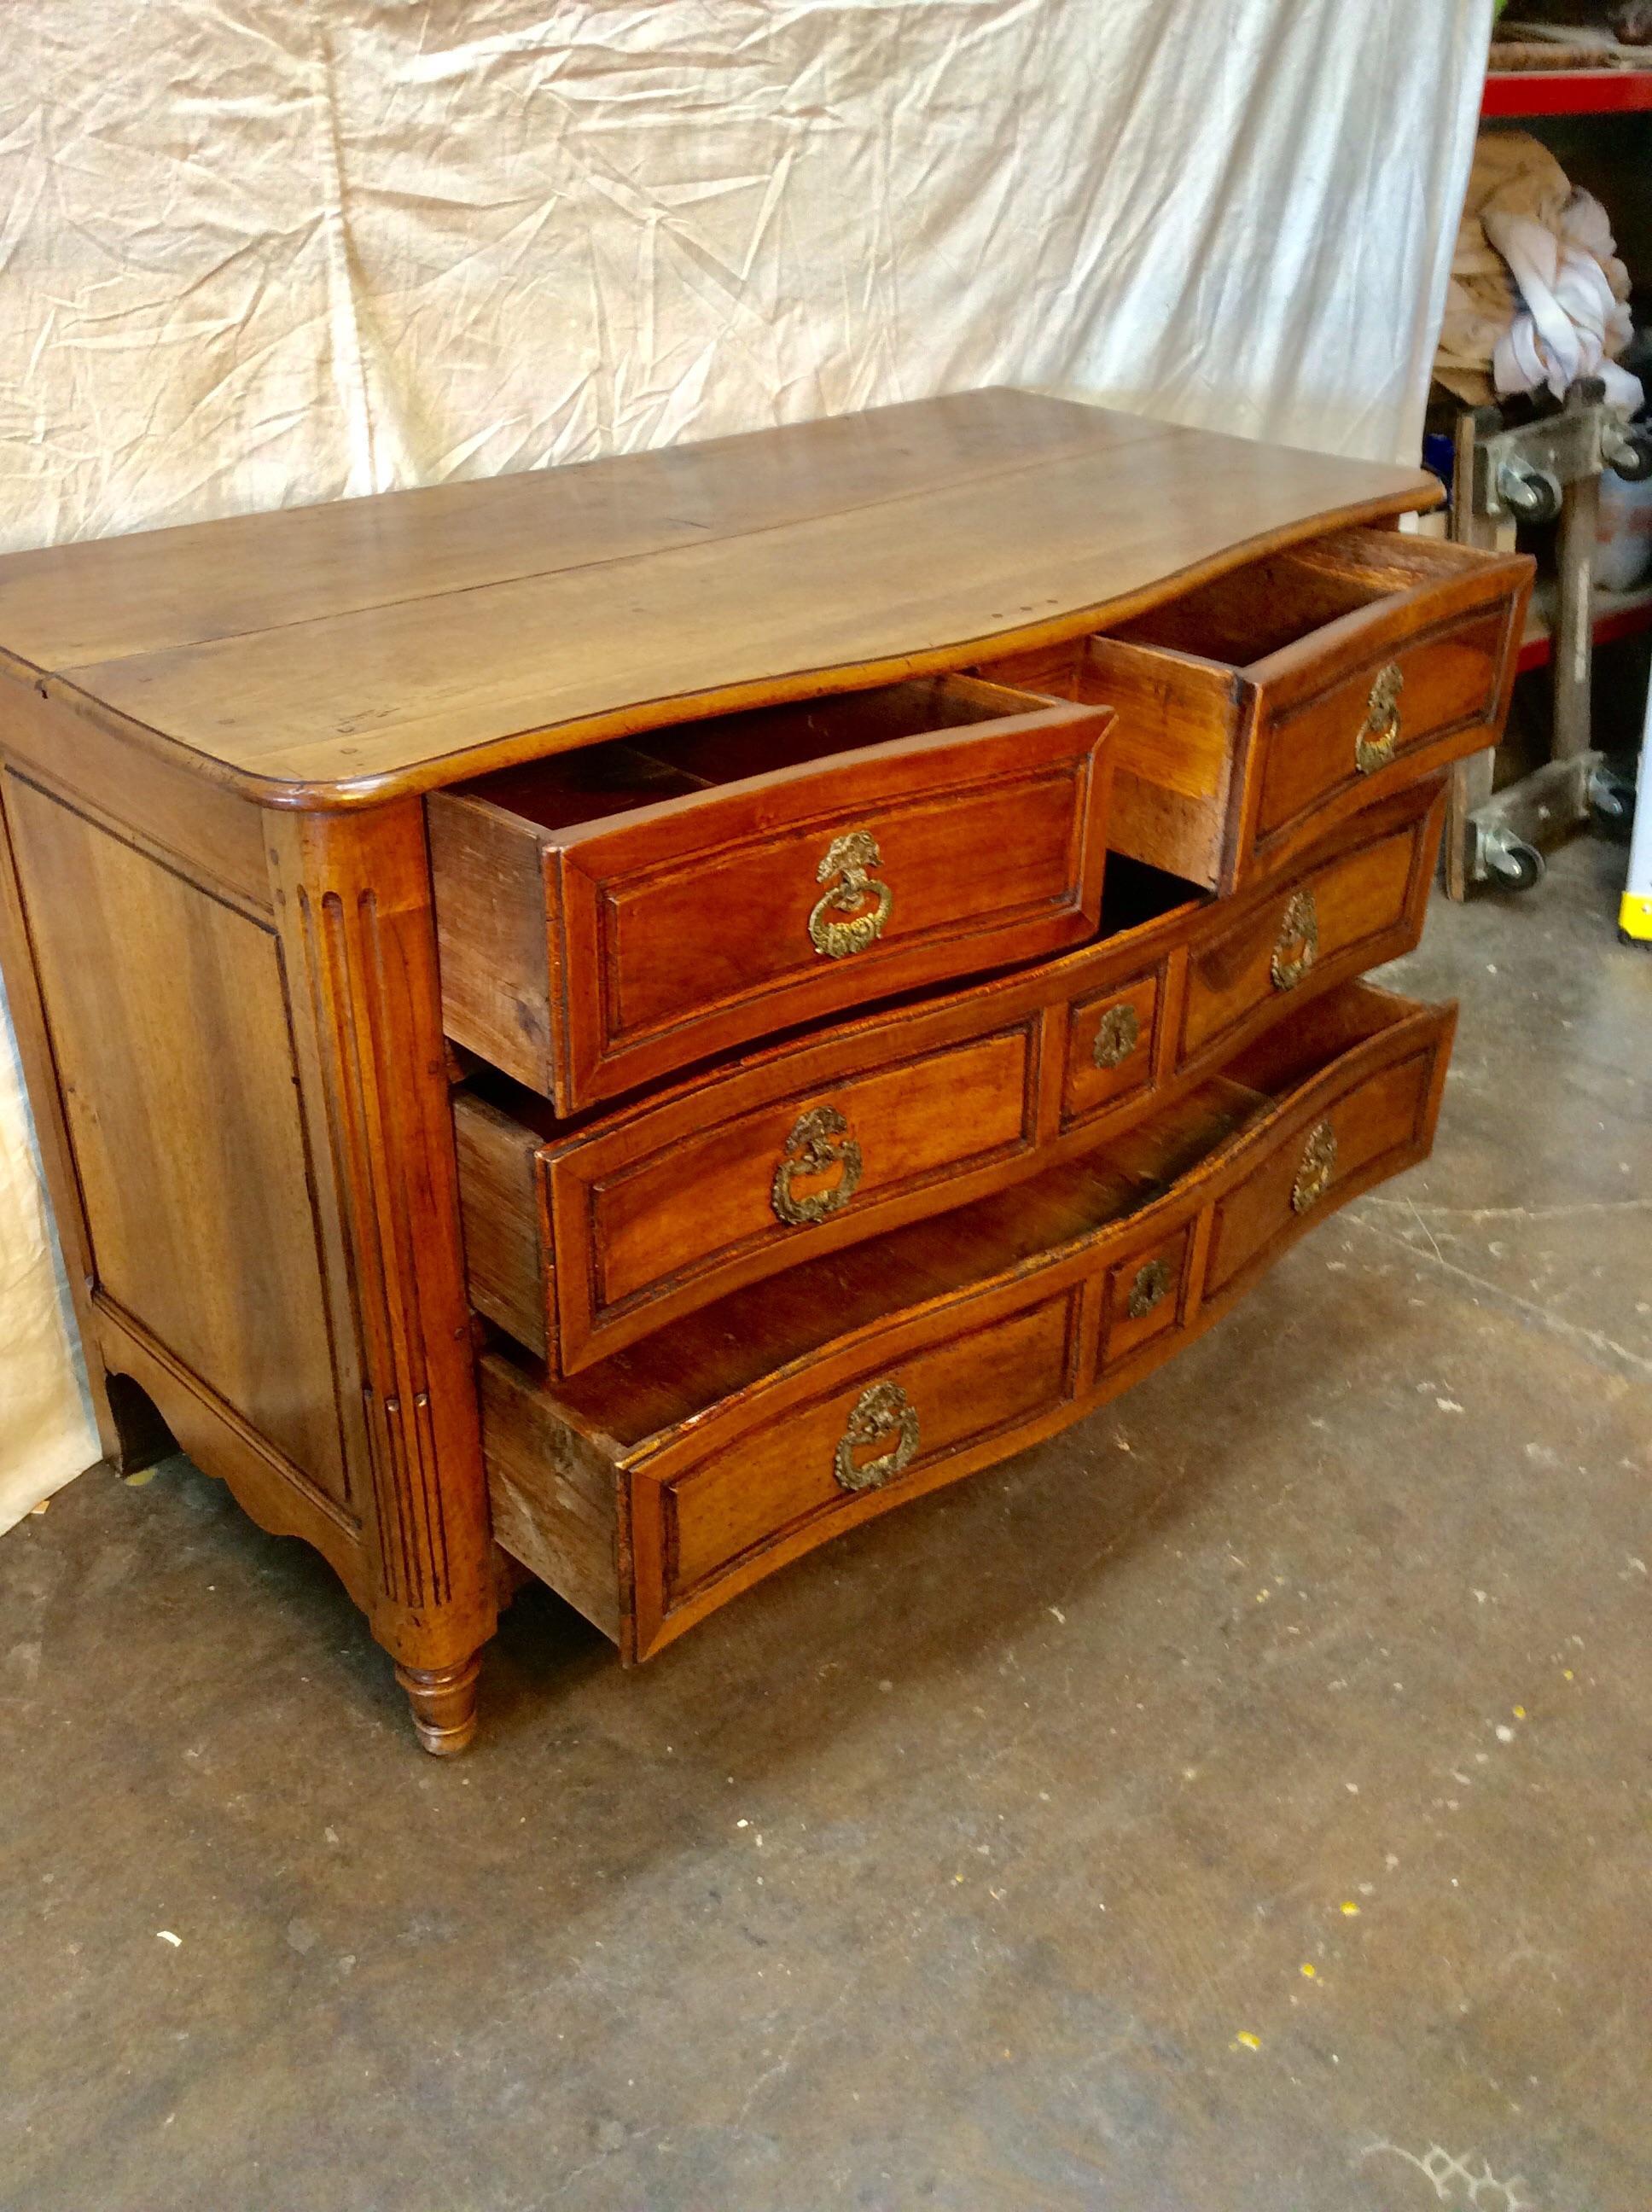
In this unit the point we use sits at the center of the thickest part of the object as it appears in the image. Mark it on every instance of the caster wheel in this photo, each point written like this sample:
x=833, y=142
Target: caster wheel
x=1629, y=453
x=1514, y=865
x=1612, y=803
x=1530, y=492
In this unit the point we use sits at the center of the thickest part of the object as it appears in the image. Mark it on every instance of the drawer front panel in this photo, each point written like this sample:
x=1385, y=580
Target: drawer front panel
x=1113, y=1047
x=1329, y=921
x=608, y=920
x=772, y=1174
x=580, y=1243
x=732, y=927
x=742, y=1438
x=1336, y=744
x=886, y=1424
x=1306, y=1171
x=1144, y=1295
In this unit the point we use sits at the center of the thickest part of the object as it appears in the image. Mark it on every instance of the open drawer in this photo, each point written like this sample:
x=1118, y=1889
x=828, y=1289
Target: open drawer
x=652, y=1488
x=581, y=1235
x=1256, y=711
x=607, y=916
x=585, y=1235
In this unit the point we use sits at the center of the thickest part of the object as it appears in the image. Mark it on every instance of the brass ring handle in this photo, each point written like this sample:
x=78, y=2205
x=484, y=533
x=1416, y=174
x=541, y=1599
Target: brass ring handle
x=849, y=858
x=1151, y=1284
x=1379, y=733
x=1296, y=947
x=1117, y=1035
x=1317, y=1166
x=882, y=1411
x=819, y=1142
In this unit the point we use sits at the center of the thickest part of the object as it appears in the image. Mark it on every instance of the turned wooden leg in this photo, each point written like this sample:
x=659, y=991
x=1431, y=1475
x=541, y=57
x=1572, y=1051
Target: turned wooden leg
x=443, y=1700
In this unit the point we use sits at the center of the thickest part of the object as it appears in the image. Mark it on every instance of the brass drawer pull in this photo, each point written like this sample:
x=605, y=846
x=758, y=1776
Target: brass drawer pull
x=849, y=856
x=1374, y=747
x=819, y=1142
x=1296, y=947
x=1117, y=1035
x=881, y=1412
x=1318, y=1165
x=1151, y=1284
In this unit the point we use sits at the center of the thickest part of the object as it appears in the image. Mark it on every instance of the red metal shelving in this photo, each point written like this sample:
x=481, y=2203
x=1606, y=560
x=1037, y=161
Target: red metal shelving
x=1616, y=614
x=1568, y=92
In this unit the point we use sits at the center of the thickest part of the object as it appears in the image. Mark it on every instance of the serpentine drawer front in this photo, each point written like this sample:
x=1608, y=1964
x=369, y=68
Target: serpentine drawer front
x=579, y=1240
x=607, y=916
x=1256, y=711
x=658, y=1484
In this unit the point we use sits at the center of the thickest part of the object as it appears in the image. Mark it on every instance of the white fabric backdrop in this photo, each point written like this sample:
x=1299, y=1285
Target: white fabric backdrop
x=254, y=252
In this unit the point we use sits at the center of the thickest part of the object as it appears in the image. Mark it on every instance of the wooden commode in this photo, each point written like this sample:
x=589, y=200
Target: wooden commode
x=620, y=1021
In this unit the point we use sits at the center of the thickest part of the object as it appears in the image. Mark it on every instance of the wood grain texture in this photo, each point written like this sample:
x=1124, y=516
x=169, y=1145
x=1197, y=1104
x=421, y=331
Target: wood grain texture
x=352, y=902
x=997, y=1325
x=553, y=1501
x=116, y=596
x=338, y=655
x=126, y=1443
x=172, y=1044
x=500, y=1201
x=600, y=938
x=197, y=827
x=581, y=1240
x=264, y=1483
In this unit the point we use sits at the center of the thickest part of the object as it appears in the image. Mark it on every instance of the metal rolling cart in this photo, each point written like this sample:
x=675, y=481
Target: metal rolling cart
x=1540, y=471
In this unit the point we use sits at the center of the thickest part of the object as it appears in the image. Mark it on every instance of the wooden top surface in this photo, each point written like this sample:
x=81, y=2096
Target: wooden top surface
x=337, y=654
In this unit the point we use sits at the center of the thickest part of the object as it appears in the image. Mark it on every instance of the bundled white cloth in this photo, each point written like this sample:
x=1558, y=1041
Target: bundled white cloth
x=1571, y=321
x=1538, y=295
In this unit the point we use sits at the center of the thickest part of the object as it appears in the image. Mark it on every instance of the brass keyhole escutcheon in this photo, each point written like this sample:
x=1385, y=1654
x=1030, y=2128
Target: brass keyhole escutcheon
x=1373, y=746
x=1117, y=1035
x=1150, y=1287
x=882, y=1413
x=1296, y=947
x=819, y=1142
x=1318, y=1165
x=849, y=858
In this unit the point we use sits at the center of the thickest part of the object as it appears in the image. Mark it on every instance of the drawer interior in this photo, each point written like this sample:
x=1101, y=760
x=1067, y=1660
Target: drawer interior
x=1262, y=608
x=729, y=1346
x=1254, y=612
x=600, y=782
x=1248, y=616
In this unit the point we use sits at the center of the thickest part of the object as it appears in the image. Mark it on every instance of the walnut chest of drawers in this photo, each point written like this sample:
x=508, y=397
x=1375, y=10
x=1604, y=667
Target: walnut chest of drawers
x=617, y=1021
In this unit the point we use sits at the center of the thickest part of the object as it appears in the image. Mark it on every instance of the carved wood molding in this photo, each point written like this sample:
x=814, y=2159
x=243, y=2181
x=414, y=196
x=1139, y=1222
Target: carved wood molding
x=353, y=902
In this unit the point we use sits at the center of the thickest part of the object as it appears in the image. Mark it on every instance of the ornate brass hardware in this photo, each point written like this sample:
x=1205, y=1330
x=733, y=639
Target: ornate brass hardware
x=1296, y=947
x=1318, y=1165
x=819, y=1142
x=1116, y=1036
x=1374, y=747
x=881, y=1412
x=849, y=856
x=1150, y=1286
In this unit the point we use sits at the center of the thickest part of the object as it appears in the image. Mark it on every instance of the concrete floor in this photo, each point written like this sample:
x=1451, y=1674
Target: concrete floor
x=1237, y=1805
